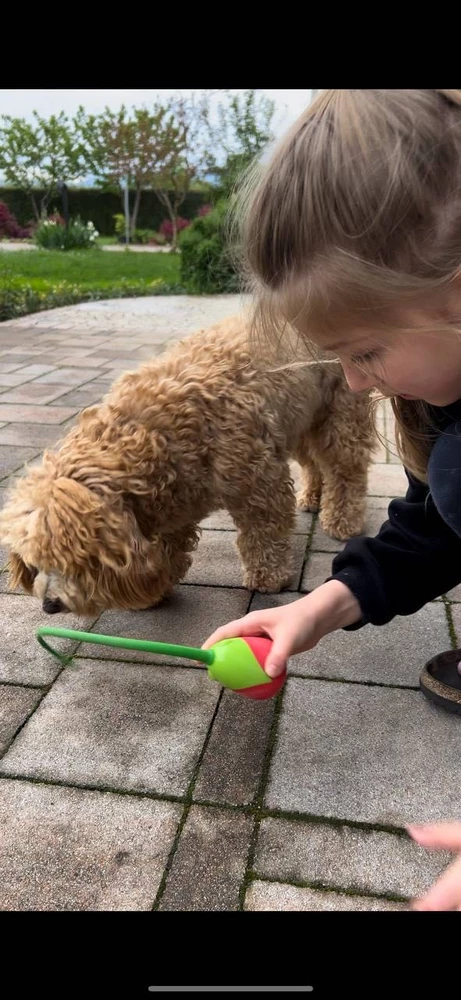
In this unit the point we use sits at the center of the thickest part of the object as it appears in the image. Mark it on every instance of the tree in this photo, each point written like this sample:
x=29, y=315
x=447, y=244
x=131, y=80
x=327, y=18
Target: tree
x=243, y=130
x=120, y=146
x=20, y=156
x=185, y=137
x=38, y=154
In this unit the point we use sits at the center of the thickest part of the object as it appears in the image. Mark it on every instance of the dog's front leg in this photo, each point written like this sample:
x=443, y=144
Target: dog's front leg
x=264, y=525
x=172, y=560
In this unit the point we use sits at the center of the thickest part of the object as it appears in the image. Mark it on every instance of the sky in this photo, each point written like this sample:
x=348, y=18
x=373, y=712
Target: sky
x=21, y=103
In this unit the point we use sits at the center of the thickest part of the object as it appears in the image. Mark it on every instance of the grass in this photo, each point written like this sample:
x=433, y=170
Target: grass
x=87, y=268
x=45, y=279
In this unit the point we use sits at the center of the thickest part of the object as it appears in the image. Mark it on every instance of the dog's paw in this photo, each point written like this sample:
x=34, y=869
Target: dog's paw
x=308, y=501
x=342, y=527
x=266, y=583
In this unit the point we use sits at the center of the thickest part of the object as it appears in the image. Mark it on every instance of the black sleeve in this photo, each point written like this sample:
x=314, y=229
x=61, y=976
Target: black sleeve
x=414, y=558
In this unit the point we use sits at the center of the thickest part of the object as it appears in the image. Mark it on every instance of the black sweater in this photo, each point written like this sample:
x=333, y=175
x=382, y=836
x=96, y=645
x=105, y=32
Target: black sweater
x=416, y=556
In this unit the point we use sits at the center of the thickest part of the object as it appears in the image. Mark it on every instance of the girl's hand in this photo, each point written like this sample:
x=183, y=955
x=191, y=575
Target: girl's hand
x=445, y=894
x=295, y=627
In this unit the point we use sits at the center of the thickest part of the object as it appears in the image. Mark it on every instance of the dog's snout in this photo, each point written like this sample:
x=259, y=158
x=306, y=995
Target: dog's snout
x=53, y=607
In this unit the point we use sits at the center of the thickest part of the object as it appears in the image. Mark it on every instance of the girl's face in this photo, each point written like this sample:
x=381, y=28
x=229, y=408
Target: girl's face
x=411, y=363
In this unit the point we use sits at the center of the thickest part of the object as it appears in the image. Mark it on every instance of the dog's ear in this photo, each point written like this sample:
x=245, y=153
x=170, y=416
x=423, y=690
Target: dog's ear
x=19, y=574
x=71, y=517
x=85, y=527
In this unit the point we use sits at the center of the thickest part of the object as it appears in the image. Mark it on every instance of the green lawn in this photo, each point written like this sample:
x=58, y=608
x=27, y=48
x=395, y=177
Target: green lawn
x=89, y=269
x=32, y=280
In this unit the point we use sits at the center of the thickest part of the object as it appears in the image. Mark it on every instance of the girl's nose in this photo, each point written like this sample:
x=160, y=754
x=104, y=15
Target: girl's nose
x=357, y=380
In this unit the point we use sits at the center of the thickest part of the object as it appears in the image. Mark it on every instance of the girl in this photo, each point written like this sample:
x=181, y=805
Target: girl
x=352, y=237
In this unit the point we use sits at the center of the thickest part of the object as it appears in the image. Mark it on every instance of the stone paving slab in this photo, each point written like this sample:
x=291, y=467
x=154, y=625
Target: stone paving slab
x=69, y=376
x=13, y=459
x=153, y=316
x=22, y=659
x=96, y=384
x=378, y=503
x=78, y=398
x=233, y=761
x=364, y=861
x=276, y=896
x=393, y=654
x=16, y=704
x=368, y=754
x=70, y=849
x=9, y=481
x=125, y=726
x=38, y=414
x=28, y=343
x=11, y=381
x=387, y=480
x=317, y=569
x=31, y=392
x=18, y=358
x=39, y=436
x=456, y=616
x=108, y=377
x=209, y=865
x=36, y=369
x=87, y=361
x=6, y=368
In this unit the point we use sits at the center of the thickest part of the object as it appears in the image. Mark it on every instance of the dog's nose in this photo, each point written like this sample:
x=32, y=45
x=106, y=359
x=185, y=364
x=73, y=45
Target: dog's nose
x=53, y=607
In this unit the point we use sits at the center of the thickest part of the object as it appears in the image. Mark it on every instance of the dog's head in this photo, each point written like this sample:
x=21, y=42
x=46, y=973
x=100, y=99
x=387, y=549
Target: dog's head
x=89, y=546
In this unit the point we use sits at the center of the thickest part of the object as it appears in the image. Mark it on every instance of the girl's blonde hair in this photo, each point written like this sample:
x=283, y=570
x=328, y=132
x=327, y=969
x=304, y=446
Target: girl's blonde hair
x=358, y=211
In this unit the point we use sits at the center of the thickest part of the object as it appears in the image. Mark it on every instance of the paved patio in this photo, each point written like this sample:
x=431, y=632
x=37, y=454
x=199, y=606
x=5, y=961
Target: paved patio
x=129, y=782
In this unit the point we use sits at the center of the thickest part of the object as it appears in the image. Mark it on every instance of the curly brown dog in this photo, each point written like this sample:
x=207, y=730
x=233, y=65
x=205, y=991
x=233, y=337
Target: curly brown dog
x=111, y=518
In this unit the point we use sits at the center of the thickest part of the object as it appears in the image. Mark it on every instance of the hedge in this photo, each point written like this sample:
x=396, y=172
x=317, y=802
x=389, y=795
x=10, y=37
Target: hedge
x=99, y=207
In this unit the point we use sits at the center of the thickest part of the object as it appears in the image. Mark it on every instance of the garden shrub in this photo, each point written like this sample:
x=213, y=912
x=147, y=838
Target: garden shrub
x=9, y=227
x=166, y=229
x=53, y=235
x=206, y=260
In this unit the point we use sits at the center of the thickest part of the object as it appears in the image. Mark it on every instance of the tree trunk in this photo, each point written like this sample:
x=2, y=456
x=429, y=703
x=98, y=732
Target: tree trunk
x=44, y=204
x=134, y=217
x=174, y=235
x=174, y=213
x=34, y=206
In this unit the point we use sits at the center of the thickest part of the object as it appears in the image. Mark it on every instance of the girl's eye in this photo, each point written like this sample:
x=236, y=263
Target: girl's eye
x=360, y=359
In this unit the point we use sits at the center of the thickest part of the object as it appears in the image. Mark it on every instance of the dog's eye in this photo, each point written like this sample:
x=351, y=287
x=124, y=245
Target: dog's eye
x=33, y=572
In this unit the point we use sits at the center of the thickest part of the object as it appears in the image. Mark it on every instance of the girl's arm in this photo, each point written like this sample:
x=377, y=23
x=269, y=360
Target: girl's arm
x=414, y=558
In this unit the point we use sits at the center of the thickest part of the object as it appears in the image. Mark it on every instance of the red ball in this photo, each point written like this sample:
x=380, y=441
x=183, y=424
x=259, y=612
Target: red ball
x=261, y=647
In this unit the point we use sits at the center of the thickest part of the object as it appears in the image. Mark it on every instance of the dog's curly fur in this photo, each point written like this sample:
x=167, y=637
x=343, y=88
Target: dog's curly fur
x=110, y=519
